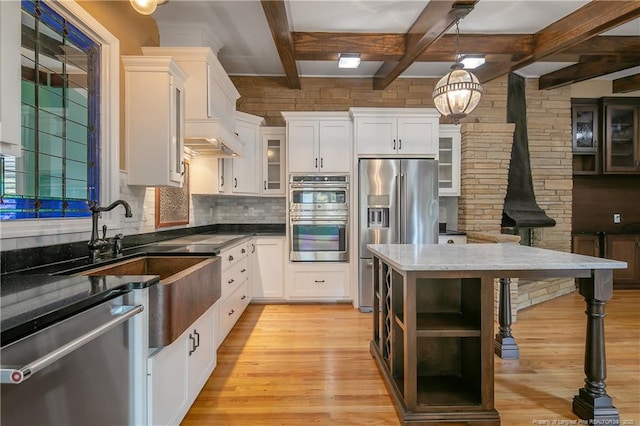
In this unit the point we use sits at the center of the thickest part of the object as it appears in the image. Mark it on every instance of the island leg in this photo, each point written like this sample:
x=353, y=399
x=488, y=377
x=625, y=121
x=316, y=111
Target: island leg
x=592, y=402
x=504, y=344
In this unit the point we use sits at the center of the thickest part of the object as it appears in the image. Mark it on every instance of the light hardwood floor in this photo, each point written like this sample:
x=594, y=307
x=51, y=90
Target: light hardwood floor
x=310, y=364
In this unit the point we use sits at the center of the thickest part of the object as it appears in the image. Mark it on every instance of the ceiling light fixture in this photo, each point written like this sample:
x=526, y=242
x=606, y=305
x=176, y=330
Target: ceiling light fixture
x=146, y=7
x=348, y=60
x=459, y=92
x=472, y=61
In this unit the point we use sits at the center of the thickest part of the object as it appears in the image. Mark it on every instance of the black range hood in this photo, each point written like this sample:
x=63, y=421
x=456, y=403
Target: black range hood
x=520, y=207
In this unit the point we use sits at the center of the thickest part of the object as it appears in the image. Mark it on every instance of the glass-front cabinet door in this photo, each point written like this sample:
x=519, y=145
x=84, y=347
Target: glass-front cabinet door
x=449, y=160
x=273, y=161
x=584, y=120
x=622, y=152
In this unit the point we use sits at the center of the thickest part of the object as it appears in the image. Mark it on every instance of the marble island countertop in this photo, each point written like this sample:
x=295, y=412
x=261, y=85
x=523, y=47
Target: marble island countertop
x=484, y=257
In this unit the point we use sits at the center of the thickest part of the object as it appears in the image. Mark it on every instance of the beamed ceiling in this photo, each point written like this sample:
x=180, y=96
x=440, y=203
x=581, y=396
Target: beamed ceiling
x=576, y=40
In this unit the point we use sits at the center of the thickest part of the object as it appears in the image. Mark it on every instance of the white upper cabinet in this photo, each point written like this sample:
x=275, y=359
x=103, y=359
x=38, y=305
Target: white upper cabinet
x=213, y=94
x=318, y=142
x=206, y=175
x=273, y=161
x=449, y=160
x=210, y=102
x=10, y=86
x=247, y=169
x=154, y=120
x=396, y=131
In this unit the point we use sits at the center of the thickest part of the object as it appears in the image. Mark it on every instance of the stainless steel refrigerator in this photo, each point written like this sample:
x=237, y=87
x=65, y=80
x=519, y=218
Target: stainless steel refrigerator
x=398, y=204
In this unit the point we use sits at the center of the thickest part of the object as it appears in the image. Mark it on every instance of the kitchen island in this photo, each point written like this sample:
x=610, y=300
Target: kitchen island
x=433, y=325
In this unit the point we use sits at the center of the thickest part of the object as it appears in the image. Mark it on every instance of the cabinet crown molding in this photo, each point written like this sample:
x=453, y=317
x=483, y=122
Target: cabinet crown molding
x=316, y=115
x=393, y=112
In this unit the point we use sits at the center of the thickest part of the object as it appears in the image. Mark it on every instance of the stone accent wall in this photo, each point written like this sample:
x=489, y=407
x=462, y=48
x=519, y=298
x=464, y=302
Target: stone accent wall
x=486, y=151
x=268, y=96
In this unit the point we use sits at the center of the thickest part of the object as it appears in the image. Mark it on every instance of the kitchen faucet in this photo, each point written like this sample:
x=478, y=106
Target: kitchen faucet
x=96, y=244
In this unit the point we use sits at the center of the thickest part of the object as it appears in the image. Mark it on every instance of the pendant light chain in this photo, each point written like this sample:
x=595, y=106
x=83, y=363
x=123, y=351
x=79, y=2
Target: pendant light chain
x=457, y=57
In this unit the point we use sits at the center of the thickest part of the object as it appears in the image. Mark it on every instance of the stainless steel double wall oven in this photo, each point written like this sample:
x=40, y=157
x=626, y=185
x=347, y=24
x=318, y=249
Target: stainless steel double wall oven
x=319, y=218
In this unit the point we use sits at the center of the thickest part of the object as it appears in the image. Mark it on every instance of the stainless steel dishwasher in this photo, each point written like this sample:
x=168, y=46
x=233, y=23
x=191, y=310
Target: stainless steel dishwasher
x=75, y=372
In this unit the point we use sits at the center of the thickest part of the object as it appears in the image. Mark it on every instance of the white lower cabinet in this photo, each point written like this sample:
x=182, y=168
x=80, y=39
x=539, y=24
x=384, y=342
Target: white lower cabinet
x=232, y=308
x=319, y=281
x=235, y=287
x=176, y=373
x=268, y=268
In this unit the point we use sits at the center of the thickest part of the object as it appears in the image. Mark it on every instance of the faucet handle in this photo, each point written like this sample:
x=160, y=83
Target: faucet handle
x=104, y=231
x=117, y=245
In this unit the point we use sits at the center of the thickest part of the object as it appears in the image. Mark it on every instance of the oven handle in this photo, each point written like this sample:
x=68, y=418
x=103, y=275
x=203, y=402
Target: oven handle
x=324, y=187
x=319, y=219
x=16, y=376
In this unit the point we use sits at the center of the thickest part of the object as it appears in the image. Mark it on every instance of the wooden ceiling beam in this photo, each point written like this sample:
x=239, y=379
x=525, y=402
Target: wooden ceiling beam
x=626, y=84
x=590, y=20
x=436, y=18
x=581, y=72
x=276, y=14
x=606, y=45
x=323, y=46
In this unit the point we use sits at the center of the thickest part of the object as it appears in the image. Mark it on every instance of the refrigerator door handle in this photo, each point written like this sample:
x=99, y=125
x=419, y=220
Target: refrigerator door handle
x=398, y=210
x=403, y=209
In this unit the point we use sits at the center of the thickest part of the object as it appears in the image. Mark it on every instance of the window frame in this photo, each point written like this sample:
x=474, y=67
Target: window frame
x=109, y=131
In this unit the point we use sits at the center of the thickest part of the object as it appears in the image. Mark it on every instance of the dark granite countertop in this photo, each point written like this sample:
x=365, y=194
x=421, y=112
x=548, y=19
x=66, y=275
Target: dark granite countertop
x=29, y=303
x=38, y=293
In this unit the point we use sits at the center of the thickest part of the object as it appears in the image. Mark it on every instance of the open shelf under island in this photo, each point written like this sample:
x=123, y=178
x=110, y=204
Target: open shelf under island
x=433, y=325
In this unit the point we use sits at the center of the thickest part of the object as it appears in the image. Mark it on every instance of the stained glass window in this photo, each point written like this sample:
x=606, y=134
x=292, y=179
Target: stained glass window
x=58, y=171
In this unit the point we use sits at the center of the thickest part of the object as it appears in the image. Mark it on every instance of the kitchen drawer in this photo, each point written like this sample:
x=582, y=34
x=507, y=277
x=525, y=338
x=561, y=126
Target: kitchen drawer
x=234, y=276
x=452, y=239
x=234, y=254
x=232, y=309
x=319, y=284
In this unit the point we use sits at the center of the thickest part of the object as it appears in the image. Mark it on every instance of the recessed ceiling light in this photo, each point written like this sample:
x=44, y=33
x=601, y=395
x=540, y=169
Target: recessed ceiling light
x=472, y=61
x=348, y=60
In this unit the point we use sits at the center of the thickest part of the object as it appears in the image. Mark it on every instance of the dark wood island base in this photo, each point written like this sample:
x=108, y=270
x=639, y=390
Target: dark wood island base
x=433, y=327
x=435, y=415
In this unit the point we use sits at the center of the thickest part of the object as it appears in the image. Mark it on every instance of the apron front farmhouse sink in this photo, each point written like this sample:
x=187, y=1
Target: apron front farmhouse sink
x=188, y=287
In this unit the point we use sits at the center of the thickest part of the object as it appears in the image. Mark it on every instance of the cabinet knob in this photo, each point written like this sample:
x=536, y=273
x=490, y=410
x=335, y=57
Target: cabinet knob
x=230, y=258
x=321, y=162
x=231, y=312
x=319, y=281
x=316, y=163
x=394, y=144
x=243, y=297
x=265, y=185
x=235, y=182
x=399, y=143
x=231, y=281
x=243, y=251
x=243, y=270
x=450, y=242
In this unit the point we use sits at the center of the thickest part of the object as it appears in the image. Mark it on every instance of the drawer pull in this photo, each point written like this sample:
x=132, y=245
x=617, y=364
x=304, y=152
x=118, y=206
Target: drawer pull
x=243, y=251
x=193, y=346
x=319, y=281
x=450, y=242
x=243, y=297
x=230, y=281
x=243, y=270
x=197, y=338
x=231, y=312
x=230, y=258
